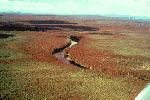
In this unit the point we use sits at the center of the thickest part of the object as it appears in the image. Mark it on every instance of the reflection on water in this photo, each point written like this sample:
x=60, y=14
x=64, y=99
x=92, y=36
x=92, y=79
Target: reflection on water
x=73, y=43
x=61, y=57
x=60, y=54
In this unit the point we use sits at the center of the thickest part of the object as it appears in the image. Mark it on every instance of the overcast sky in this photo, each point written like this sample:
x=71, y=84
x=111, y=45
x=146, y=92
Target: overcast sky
x=89, y=7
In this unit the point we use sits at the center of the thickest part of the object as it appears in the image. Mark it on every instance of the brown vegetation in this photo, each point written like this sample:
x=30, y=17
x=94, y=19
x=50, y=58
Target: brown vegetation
x=37, y=74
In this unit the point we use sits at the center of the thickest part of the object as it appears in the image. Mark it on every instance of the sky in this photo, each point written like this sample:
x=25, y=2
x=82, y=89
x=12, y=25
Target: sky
x=77, y=7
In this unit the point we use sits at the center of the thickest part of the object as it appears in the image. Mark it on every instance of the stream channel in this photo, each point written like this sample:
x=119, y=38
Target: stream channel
x=60, y=52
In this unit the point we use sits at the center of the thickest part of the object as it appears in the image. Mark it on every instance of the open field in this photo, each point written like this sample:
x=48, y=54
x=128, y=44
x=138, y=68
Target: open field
x=116, y=53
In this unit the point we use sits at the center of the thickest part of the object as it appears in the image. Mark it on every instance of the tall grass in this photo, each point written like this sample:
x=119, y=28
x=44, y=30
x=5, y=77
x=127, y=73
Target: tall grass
x=42, y=80
x=37, y=80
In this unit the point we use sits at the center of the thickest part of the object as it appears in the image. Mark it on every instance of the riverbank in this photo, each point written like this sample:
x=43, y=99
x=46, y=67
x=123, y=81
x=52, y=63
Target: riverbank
x=30, y=71
x=63, y=54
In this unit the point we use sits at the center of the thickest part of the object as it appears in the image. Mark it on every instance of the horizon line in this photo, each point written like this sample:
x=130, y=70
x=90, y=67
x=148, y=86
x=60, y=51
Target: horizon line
x=104, y=15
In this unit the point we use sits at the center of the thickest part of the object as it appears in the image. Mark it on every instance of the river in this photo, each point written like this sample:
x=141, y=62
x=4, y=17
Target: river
x=143, y=95
x=60, y=52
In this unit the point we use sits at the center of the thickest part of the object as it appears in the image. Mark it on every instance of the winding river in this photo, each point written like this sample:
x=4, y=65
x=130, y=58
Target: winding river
x=60, y=52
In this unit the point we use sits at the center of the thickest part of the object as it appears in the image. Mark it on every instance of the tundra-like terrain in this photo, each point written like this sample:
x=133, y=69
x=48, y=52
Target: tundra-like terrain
x=111, y=59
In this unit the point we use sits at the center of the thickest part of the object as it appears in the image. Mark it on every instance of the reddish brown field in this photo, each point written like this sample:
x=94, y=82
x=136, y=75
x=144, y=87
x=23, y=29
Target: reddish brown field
x=103, y=49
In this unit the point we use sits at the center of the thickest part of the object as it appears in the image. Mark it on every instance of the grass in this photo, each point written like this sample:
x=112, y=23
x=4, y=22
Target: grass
x=37, y=80
x=40, y=80
x=5, y=52
x=133, y=44
x=130, y=51
x=130, y=45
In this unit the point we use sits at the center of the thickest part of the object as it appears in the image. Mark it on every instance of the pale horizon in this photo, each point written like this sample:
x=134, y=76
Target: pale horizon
x=139, y=8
